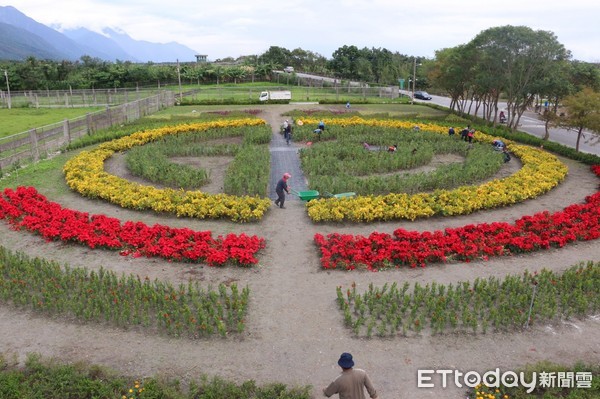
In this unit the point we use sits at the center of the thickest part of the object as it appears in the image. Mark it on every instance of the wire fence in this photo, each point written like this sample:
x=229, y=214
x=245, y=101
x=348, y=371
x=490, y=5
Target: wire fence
x=73, y=98
x=42, y=142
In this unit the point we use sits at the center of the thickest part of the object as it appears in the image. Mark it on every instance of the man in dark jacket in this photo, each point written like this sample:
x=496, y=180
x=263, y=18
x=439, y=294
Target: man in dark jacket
x=280, y=188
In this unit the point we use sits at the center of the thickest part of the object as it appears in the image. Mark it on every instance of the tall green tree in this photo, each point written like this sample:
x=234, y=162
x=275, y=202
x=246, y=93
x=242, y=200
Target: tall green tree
x=582, y=111
x=277, y=56
x=555, y=85
x=510, y=59
x=345, y=62
x=452, y=72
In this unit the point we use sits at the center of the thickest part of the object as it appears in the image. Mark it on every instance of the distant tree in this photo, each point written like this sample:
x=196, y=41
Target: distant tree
x=585, y=74
x=308, y=61
x=236, y=73
x=380, y=59
x=452, y=72
x=345, y=62
x=582, y=111
x=264, y=70
x=277, y=56
x=193, y=73
x=554, y=85
x=509, y=60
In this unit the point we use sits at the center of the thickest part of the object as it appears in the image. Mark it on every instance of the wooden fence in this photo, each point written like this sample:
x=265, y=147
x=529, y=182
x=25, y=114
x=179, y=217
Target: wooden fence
x=39, y=143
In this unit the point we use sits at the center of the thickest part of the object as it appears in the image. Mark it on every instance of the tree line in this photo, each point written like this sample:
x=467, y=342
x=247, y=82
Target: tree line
x=517, y=62
x=373, y=65
x=515, y=65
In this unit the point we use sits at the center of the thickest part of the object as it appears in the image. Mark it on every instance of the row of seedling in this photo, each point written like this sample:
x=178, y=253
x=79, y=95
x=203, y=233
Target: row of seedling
x=485, y=304
x=126, y=301
x=247, y=174
x=358, y=159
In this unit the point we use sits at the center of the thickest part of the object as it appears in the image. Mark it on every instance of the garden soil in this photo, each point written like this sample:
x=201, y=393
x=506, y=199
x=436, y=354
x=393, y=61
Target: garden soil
x=295, y=332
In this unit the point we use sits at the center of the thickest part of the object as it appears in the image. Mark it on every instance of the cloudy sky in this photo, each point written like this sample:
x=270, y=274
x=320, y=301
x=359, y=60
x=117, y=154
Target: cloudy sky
x=231, y=28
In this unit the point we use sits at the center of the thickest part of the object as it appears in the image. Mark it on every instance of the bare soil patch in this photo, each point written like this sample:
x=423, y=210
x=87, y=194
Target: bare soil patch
x=295, y=332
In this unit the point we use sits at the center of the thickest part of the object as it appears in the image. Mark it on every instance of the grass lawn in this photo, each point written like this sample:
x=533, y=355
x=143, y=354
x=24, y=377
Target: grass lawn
x=17, y=120
x=396, y=110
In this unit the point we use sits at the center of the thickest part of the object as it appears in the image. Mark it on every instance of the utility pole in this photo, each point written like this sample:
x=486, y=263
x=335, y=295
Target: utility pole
x=8, y=89
x=179, y=80
x=414, y=80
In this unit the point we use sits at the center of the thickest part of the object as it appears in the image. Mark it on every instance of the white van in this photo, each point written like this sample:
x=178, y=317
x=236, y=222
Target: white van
x=288, y=69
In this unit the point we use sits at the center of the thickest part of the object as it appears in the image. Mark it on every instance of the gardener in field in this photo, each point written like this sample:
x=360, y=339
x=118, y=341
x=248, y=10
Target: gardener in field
x=287, y=131
x=351, y=383
x=318, y=132
x=280, y=188
x=464, y=133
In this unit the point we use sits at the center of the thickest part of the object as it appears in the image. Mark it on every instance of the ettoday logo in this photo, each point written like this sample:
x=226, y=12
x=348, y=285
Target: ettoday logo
x=495, y=379
x=471, y=379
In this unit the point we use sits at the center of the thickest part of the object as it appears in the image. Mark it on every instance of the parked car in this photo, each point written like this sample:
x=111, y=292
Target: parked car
x=422, y=95
x=288, y=69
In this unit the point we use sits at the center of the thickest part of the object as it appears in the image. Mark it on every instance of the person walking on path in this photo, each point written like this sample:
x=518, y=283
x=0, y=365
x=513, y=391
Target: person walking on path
x=280, y=188
x=351, y=383
x=287, y=131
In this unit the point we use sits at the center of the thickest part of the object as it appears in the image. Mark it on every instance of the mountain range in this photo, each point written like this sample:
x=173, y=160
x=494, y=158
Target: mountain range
x=22, y=37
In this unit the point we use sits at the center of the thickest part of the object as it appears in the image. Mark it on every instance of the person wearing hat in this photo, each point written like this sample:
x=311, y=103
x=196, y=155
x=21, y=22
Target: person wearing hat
x=280, y=188
x=351, y=383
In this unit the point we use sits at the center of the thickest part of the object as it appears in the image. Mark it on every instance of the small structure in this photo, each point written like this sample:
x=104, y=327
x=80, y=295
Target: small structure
x=201, y=58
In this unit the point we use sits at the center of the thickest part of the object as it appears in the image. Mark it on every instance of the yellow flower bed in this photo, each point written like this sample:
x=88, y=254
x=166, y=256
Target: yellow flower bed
x=540, y=173
x=85, y=174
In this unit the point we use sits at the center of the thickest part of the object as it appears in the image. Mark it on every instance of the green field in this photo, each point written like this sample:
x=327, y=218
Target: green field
x=417, y=111
x=17, y=120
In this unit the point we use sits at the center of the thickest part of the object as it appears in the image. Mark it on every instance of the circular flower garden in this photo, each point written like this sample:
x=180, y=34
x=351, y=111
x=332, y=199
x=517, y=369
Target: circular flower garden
x=384, y=311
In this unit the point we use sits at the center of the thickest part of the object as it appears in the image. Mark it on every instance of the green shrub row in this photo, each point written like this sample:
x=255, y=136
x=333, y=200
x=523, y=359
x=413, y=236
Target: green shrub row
x=249, y=172
x=340, y=163
x=49, y=379
x=477, y=306
x=125, y=301
x=152, y=161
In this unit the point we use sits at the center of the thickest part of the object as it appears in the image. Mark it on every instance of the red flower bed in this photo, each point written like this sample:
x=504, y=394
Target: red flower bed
x=529, y=233
x=26, y=208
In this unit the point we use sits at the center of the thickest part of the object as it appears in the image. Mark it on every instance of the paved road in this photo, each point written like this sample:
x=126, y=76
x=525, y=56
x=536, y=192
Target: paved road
x=284, y=159
x=530, y=123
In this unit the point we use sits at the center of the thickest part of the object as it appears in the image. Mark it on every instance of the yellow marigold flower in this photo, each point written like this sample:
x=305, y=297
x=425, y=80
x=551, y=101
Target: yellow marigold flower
x=541, y=172
x=85, y=174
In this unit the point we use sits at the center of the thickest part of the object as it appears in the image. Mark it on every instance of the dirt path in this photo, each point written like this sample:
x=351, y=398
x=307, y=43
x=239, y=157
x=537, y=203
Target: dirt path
x=295, y=332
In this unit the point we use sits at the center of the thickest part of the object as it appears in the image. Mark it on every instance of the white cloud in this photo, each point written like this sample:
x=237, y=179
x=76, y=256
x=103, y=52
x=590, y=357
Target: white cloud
x=235, y=27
